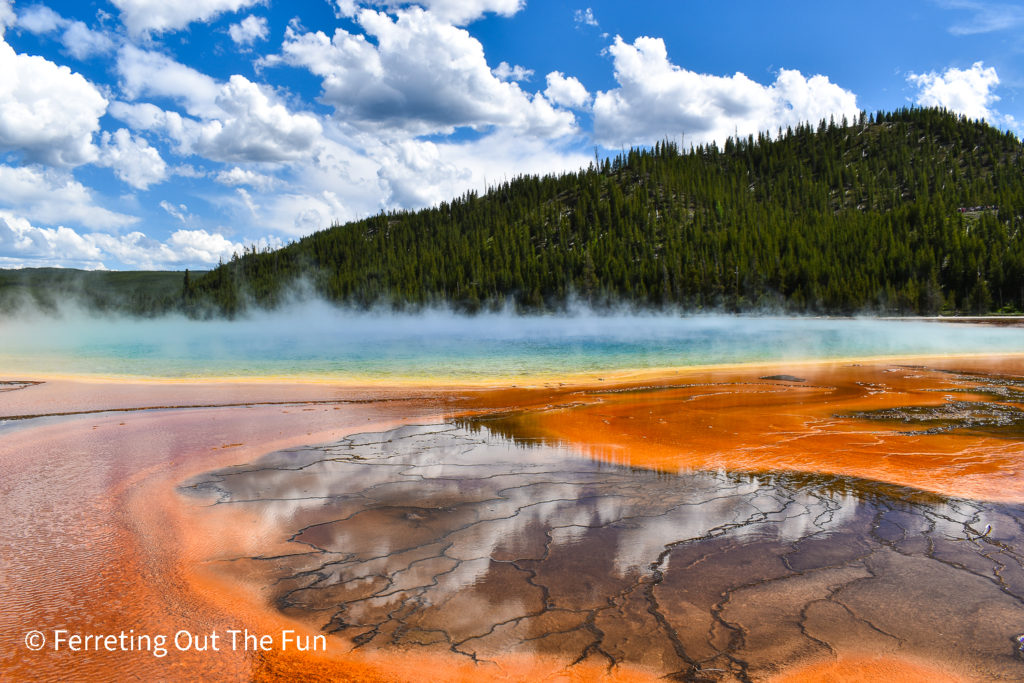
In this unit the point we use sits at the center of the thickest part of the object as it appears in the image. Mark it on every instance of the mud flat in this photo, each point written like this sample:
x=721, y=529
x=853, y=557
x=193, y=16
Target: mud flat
x=860, y=521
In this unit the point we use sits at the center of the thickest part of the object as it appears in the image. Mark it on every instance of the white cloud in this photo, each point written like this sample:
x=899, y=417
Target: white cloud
x=149, y=73
x=188, y=171
x=507, y=72
x=249, y=30
x=40, y=19
x=238, y=120
x=46, y=111
x=457, y=12
x=345, y=165
x=987, y=17
x=28, y=245
x=140, y=115
x=566, y=91
x=346, y=8
x=183, y=247
x=253, y=126
x=179, y=212
x=7, y=17
x=462, y=12
x=81, y=42
x=656, y=98
x=964, y=91
x=19, y=239
x=157, y=16
x=302, y=213
x=419, y=75
x=132, y=159
x=420, y=173
x=247, y=199
x=417, y=176
x=238, y=176
x=53, y=197
x=585, y=17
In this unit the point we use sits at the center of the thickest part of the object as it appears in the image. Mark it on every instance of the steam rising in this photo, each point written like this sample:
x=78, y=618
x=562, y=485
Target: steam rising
x=317, y=339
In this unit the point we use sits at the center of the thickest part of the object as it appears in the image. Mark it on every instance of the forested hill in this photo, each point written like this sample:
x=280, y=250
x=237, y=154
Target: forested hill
x=139, y=292
x=916, y=212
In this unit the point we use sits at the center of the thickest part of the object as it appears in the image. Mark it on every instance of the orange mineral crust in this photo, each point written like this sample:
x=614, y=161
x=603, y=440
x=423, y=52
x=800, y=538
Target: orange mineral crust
x=470, y=534
x=95, y=537
x=868, y=668
x=961, y=437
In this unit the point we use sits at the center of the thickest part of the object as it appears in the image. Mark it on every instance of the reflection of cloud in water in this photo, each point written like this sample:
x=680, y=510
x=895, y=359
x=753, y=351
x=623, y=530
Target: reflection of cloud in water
x=439, y=537
x=377, y=495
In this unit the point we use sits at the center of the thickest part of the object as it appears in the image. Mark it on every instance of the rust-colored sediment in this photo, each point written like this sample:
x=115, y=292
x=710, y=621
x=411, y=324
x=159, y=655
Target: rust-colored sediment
x=97, y=538
x=733, y=419
x=867, y=668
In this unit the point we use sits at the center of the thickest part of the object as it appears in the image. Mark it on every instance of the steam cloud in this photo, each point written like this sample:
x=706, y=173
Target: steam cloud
x=314, y=338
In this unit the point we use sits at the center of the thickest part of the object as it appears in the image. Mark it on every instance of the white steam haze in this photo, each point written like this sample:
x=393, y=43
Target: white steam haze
x=316, y=339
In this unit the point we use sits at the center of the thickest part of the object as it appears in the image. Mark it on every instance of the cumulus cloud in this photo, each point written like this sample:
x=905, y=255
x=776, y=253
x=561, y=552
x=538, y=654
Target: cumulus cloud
x=21, y=240
x=507, y=72
x=234, y=121
x=965, y=91
x=139, y=115
x=420, y=173
x=656, y=98
x=46, y=111
x=154, y=74
x=300, y=213
x=6, y=15
x=566, y=91
x=585, y=17
x=40, y=19
x=462, y=12
x=237, y=176
x=419, y=75
x=457, y=12
x=81, y=42
x=183, y=247
x=253, y=126
x=25, y=244
x=417, y=176
x=134, y=161
x=157, y=16
x=51, y=197
x=249, y=30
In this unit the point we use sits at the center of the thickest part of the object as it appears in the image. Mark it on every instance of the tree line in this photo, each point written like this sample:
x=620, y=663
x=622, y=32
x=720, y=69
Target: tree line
x=915, y=211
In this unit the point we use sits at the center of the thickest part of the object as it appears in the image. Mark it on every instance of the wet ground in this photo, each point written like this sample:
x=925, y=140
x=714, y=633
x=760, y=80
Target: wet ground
x=829, y=521
x=453, y=539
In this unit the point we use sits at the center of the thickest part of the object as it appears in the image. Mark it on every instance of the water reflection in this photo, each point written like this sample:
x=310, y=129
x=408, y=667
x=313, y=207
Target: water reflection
x=457, y=538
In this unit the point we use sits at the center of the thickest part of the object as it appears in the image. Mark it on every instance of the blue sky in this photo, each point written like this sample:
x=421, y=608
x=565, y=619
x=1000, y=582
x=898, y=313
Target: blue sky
x=167, y=134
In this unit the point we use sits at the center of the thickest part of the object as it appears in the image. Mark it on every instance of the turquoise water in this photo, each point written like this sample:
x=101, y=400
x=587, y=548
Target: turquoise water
x=315, y=340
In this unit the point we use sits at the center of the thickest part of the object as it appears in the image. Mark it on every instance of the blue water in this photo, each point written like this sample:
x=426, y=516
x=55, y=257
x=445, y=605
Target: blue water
x=316, y=340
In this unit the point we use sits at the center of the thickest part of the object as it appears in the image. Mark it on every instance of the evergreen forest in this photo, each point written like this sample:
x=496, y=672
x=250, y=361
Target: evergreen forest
x=911, y=212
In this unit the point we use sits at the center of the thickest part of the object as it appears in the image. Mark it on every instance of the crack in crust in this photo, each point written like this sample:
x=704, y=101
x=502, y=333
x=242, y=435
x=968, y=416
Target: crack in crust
x=443, y=537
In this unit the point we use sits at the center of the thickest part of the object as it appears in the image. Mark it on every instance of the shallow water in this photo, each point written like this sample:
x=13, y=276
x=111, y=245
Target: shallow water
x=448, y=538
x=315, y=339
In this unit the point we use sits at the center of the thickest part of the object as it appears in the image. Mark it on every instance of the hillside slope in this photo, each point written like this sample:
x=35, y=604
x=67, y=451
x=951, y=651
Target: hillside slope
x=914, y=211
x=139, y=292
